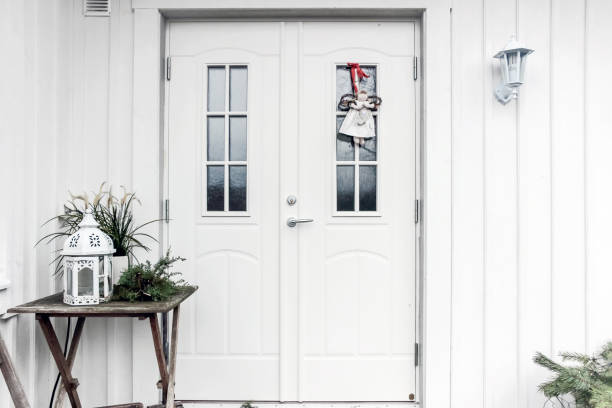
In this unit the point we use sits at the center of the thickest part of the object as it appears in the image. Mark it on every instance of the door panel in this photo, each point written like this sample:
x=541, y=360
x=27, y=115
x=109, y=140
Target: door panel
x=323, y=311
x=357, y=267
x=229, y=343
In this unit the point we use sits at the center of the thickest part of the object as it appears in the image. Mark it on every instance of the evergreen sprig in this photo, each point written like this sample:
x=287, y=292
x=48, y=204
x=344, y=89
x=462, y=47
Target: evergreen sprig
x=150, y=282
x=588, y=379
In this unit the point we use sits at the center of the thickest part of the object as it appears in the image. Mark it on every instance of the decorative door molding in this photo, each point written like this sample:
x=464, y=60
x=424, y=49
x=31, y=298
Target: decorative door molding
x=147, y=125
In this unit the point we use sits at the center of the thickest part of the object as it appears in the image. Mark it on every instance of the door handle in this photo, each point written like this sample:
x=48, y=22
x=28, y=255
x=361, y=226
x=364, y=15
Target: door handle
x=292, y=221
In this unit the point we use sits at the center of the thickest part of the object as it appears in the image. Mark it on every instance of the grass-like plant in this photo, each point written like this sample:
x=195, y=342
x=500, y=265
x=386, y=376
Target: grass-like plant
x=115, y=216
x=149, y=282
x=588, y=379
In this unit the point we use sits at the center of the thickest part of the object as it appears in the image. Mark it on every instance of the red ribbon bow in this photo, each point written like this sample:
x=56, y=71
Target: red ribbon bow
x=356, y=74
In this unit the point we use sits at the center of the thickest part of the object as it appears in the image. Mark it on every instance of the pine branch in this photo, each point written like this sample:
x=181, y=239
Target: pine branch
x=541, y=360
x=588, y=380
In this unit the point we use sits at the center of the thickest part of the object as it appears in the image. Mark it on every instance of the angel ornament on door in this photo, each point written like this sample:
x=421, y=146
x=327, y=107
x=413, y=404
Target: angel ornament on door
x=359, y=121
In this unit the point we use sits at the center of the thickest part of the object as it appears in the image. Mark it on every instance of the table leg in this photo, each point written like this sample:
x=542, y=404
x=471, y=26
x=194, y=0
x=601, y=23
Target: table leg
x=70, y=384
x=159, y=354
x=11, y=379
x=172, y=367
x=74, y=345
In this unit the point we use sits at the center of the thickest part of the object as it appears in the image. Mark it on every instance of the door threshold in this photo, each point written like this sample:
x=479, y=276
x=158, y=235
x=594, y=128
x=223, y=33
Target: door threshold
x=317, y=404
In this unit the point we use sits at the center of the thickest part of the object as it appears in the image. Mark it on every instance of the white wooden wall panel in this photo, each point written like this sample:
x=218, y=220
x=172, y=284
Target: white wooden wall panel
x=29, y=136
x=598, y=150
x=568, y=216
x=437, y=243
x=119, y=331
x=12, y=77
x=534, y=203
x=469, y=61
x=42, y=66
x=550, y=293
x=94, y=139
x=529, y=208
x=500, y=214
x=145, y=168
x=55, y=114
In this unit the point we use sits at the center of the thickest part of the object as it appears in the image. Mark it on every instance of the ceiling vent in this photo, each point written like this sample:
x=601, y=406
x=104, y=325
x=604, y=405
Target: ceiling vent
x=96, y=8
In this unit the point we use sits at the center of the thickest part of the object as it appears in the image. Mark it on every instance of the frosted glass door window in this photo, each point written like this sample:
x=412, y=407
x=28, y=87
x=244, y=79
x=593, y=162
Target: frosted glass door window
x=226, y=140
x=238, y=89
x=216, y=134
x=238, y=138
x=216, y=89
x=356, y=165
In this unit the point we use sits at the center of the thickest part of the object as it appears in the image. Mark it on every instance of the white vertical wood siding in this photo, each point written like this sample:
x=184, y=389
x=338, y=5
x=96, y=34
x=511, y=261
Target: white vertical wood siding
x=65, y=82
x=531, y=193
x=531, y=198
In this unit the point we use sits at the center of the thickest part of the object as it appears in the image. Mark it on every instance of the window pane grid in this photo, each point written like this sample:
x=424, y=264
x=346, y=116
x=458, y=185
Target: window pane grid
x=226, y=151
x=221, y=163
x=349, y=162
x=338, y=113
x=359, y=163
x=222, y=113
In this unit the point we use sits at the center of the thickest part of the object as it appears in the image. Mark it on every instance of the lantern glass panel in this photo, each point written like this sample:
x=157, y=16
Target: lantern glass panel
x=85, y=282
x=514, y=62
x=101, y=285
x=503, y=63
x=68, y=272
x=104, y=267
x=109, y=276
x=101, y=266
x=523, y=63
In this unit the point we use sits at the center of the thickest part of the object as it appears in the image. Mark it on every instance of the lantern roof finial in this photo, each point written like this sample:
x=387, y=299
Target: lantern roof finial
x=88, y=220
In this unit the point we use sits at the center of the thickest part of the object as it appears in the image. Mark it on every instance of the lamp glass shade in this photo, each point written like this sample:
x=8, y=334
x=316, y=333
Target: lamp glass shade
x=514, y=68
x=512, y=60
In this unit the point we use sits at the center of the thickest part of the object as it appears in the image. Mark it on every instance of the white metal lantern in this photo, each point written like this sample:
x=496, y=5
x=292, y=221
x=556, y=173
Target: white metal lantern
x=512, y=60
x=87, y=264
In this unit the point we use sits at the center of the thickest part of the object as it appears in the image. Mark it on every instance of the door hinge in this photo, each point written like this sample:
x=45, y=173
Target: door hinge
x=417, y=211
x=167, y=210
x=168, y=68
x=416, y=354
x=415, y=69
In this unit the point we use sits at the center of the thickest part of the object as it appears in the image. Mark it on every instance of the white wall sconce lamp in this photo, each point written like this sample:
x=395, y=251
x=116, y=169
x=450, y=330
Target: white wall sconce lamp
x=512, y=60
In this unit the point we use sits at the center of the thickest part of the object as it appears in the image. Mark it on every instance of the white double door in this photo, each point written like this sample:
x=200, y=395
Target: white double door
x=323, y=310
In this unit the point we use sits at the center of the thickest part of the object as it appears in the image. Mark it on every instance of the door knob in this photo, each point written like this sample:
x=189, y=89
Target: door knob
x=292, y=222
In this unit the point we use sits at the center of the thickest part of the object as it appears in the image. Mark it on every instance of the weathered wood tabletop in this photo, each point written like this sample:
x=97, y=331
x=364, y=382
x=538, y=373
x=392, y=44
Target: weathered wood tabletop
x=54, y=306
x=50, y=306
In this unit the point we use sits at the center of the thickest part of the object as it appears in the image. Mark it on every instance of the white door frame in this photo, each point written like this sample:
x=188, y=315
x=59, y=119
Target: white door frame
x=436, y=160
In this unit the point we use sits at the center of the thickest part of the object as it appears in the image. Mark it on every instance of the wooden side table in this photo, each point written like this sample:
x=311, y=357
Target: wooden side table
x=53, y=306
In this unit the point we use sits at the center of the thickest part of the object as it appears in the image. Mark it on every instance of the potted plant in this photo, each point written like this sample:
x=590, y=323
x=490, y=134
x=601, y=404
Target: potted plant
x=115, y=218
x=586, y=379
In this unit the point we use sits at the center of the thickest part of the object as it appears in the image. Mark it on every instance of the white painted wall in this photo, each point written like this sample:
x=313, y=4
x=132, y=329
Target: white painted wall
x=530, y=195
x=65, y=82
x=530, y=205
